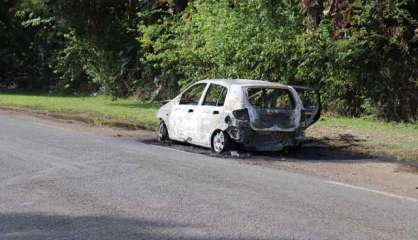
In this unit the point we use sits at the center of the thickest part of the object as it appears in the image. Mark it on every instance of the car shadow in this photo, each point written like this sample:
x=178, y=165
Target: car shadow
x=313, y=149
x=34, y=226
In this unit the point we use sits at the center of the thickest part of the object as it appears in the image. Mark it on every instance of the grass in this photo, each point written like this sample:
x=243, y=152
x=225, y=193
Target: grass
x=99, y=110
x=370, y=136
x=364, y=135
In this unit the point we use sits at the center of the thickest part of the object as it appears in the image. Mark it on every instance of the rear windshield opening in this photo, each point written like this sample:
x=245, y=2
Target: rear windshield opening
x=271, y=98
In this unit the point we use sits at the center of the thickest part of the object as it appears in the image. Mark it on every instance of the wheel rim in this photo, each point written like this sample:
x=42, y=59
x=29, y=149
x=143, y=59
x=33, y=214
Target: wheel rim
x=219, y=142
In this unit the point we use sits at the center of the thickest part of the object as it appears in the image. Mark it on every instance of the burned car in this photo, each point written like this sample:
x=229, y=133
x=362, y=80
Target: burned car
x=258, y=115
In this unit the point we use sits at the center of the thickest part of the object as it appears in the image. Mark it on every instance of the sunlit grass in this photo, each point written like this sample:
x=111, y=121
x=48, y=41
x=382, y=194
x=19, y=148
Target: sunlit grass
x=399, y=140
x=369, y=124
x=98, y=108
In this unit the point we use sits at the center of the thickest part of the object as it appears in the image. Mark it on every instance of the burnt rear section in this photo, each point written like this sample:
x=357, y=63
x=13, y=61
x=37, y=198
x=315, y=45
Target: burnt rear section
x=272, y=108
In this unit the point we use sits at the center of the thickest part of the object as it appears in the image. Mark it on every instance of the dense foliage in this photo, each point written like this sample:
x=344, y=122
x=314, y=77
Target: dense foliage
x=361, y=54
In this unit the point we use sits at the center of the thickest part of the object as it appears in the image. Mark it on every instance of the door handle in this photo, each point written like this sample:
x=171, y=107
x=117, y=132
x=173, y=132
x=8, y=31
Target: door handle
x=190, y=110
x=215, y=112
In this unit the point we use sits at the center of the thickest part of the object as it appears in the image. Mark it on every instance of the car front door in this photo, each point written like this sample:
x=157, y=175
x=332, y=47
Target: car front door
x=210, y=114
x=183, y=112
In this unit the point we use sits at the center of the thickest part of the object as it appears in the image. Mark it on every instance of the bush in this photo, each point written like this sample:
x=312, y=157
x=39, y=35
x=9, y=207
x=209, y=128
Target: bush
x=214, y=39
x=363, y=57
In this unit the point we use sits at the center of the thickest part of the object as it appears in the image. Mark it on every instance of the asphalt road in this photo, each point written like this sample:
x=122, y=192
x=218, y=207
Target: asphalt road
x=62, y=184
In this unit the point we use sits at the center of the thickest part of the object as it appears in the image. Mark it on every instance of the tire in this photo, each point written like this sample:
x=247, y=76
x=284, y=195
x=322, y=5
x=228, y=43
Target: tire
x=220, y=142
x=163, y=132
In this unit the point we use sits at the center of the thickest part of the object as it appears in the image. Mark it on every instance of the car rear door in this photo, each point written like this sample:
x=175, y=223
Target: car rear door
x=210, y=115
x=311, y=100
x=180, y=119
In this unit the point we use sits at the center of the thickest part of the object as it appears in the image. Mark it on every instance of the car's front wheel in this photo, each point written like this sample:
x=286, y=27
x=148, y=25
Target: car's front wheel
x=220, y=142
x=163, y=132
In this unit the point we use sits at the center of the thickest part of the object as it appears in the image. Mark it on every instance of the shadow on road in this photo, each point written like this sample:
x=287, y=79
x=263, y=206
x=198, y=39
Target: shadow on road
x=313, y=149
x=34, y=226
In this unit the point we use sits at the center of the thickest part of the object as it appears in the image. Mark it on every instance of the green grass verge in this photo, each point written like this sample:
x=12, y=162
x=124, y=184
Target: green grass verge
x=100, y=110
x=372, y=136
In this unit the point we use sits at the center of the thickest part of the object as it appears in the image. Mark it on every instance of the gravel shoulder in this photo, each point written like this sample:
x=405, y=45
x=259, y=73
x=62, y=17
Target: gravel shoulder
x=314, y=159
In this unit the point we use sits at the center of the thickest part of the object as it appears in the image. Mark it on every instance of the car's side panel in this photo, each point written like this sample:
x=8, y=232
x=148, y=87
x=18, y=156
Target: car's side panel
x=176, y=122
x=164, y=113
x=181, y=120
x=207, y=119
x=193, y=122
x=235, y=99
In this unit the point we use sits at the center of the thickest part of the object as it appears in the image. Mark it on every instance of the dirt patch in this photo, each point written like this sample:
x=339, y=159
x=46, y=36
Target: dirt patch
x=338, y=162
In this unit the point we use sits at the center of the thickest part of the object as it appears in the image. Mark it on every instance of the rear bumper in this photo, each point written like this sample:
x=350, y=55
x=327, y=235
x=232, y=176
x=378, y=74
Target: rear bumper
x=264, y=140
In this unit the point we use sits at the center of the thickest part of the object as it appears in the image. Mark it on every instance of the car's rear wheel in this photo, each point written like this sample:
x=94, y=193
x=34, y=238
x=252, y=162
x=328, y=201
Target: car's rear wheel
x=163, y=132
x=220, y=142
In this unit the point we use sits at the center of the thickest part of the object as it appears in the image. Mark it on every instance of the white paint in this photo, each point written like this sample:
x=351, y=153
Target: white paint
x=374, y=191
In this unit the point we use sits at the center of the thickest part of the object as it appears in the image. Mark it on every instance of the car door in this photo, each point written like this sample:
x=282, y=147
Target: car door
x=311, y=110
x=183, y=112
x=210, y=114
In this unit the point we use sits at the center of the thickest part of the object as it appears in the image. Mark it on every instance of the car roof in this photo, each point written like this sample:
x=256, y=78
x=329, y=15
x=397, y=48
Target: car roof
x=241, y=82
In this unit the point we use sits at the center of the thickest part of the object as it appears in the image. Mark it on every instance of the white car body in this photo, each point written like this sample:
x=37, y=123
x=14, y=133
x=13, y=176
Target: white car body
x=196, y=122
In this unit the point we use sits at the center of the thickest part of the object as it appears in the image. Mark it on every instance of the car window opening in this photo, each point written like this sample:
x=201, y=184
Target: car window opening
x=215, y=96
x=271, y=98
x=192, y=95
